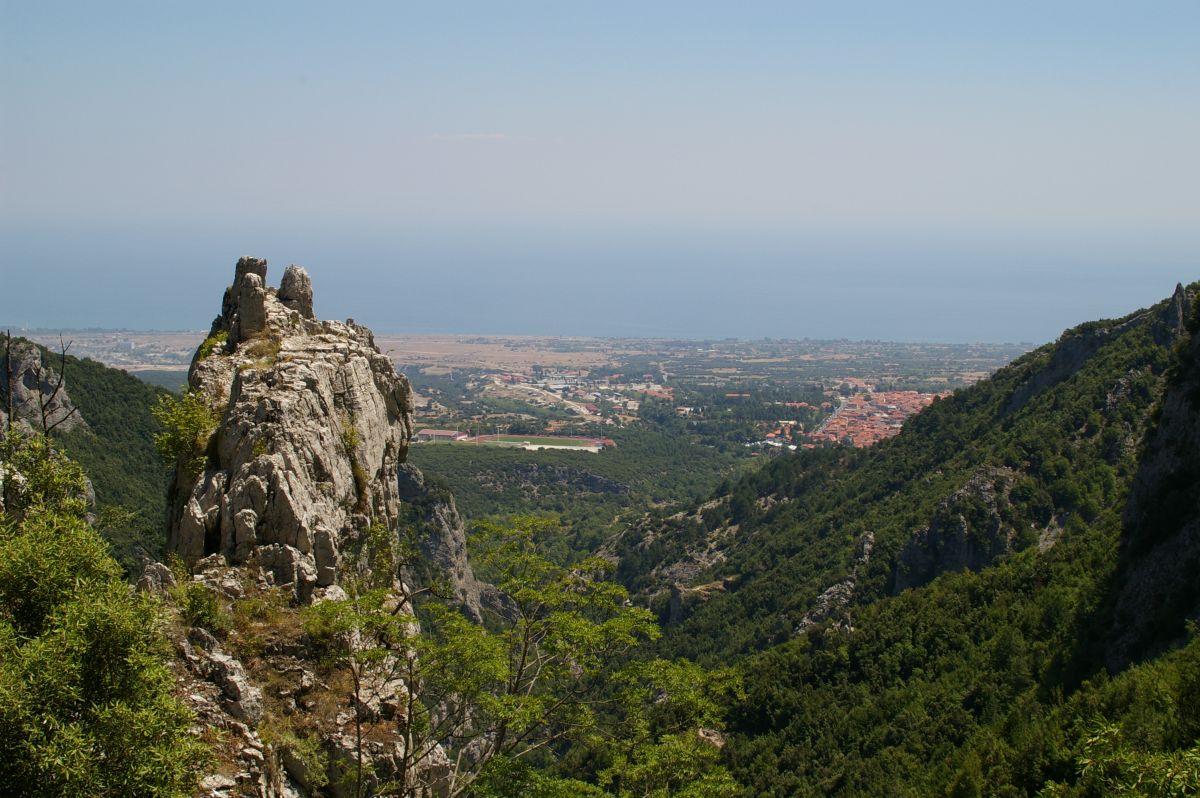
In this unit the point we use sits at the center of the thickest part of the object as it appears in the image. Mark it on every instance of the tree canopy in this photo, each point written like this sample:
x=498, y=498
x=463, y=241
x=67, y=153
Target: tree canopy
x=86, y=702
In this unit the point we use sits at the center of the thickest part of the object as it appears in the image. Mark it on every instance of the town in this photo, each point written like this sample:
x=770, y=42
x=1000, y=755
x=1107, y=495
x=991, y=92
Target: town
x=572, y=393
x=863, y=419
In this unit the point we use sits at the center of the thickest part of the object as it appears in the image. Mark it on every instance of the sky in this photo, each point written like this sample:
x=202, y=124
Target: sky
x=957, y=171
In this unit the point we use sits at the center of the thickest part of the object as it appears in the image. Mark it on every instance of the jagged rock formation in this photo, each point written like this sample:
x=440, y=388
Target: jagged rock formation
x=314, y=421
x=835, y=599
x=967, y=531
x=36, y=392
x=442, y=543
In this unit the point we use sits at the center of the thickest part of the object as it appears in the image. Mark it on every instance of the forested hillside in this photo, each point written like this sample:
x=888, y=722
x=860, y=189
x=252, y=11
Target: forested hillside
x=586, y=492
x=116, y=450
x=956, y=611
x=1045, y=448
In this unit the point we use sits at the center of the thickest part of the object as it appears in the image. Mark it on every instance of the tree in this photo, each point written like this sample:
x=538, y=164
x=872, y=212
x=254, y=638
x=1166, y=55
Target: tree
x=188, y=424
x=86, y=703
x=668, y=740
x=530, y=677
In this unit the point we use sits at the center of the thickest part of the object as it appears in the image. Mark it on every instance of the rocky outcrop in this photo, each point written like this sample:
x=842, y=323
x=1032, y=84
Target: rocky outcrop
x=238, y=697
x=295, y=292
x=279, y=722
x=967, y=531
x=534, y=475
x=1177, y=313
x=835, y=599
x=36, y=392
x=313, y=421
x=311, y=426
x=441, y=537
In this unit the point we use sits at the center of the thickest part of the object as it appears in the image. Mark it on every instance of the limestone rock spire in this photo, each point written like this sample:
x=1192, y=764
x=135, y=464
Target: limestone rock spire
x=313, y=423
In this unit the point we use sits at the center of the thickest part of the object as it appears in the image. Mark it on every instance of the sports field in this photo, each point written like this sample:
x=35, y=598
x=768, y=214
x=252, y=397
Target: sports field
x=536, y=440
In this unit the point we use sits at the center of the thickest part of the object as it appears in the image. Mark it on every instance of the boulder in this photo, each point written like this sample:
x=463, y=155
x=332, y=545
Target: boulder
x=295, y=291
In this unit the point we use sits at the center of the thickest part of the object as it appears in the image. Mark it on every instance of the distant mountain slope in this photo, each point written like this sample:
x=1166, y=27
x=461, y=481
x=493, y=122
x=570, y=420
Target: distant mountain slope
x=1046, y=446
x=119, y=456
x=996, y=602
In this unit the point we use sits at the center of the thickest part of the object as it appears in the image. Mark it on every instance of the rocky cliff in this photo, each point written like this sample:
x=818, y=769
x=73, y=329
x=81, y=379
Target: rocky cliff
x=967, y=531
x=1156, y=586
x=313, y=421
x=33, y=390
x=304, y=426
x=440, y=535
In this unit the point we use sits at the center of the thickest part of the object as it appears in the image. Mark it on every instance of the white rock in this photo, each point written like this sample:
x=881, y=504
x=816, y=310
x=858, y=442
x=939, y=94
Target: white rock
x=314, y=422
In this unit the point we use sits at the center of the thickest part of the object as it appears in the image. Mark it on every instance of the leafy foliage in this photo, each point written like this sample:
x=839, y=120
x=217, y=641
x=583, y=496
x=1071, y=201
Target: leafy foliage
x=526, y=680
x=188, y=423
x=211, y=343
x=659, y=747
x=86, y=704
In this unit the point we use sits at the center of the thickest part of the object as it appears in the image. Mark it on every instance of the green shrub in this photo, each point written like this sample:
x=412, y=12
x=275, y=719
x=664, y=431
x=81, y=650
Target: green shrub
x=86, y=700
x=212, y=342
x=201, y=607
x=188, y=424
x=362, y=480
x=265, y=352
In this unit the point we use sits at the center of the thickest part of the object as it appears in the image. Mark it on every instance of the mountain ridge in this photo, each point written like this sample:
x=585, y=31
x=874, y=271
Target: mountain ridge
x=799, y=519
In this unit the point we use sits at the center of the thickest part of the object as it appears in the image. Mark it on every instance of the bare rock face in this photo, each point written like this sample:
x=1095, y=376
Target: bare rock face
x=1178, y=312
x=39, y=395
x=295, y=291
x=314, y=421
x=967, y=531
x=833, y=602
x=442, y=541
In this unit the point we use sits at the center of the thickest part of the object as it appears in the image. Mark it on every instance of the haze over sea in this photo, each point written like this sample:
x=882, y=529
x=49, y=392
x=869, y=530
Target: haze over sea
x=606, y=283
x=904, y=171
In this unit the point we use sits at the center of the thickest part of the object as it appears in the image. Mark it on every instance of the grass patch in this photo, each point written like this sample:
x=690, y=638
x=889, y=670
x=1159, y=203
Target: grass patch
x=211, y=343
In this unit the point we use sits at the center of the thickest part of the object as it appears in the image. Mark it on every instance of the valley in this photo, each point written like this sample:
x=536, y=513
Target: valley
x=600, y=400
x=980, y=568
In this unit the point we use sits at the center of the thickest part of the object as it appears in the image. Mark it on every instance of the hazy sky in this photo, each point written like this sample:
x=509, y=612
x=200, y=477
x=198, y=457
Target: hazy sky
x=912, y=170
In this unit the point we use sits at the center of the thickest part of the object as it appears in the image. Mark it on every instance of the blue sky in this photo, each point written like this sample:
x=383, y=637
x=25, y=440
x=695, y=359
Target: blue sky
x=945, y=171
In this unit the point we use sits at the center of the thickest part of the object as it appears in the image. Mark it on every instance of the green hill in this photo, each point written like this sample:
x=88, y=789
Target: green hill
x=117, y=452
x=980, y=605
